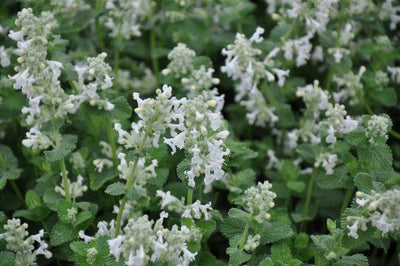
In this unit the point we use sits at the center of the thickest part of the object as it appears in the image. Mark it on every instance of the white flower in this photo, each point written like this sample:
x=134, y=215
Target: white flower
x=16, y=35
x=353, y=230
x=383, y=225
x=176, y=142
x=331, y=135
x=115, y=245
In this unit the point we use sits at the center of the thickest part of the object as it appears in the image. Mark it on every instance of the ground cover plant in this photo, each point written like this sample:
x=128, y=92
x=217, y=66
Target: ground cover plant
x=199, y=132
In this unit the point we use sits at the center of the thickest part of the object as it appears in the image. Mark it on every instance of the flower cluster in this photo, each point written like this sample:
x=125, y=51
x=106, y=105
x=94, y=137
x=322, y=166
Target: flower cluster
x=124, y=17
x=377, y=128
x=21, y=243
x=93, y=79
x=195, y=210
x=76, y=189
x=327, y=161
x=200, y=132
x=379, y=209
x=143, y=241
x=258, y=200
x=243, y=63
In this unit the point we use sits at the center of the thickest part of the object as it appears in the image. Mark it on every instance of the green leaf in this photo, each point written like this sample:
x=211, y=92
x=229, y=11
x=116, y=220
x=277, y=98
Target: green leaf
x=353, y=260
x=7, y=258
x=281, y=255
x=357, y=138
x=115, y=189
x=237, y=257
x=377, y=156
x=273, y=231
x=62, y=233
x=182, y=167
x=32, y=199
x=83, y=217
x=364, y=182
x=121, y=111
x=161, y=178
x=235, y=223
x=67, y=145
x=387, y=96
x=307, y=151
x=79, y=248
x=267, y=262
x=97, y=180
x=339, y=178
x=51, y=199
x=8, y=164
x=207, y=227
x=297, y=186
x=62, y=210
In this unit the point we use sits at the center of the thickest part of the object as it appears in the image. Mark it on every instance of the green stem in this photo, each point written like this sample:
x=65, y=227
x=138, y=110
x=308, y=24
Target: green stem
x=239, y=27
x=189, y=197
x=289, y=32
x=395, y=134
x=116, y=61
x=12, y=183
x=242, y=241
x=329, y=80
x=17, y=192
x=111, y=140
x=119, y=217
x=347, y=199
x=128, y=185
x=154, y=61
x=308, y=197
x=65, y=180
x=99, y=34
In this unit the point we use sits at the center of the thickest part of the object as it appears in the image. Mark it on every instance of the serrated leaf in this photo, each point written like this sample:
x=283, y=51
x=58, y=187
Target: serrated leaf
x=79, y=247
x=307, y=152
x=207, y=227
x=32, y=199
x=8, y=164
x=67, y=145
x=353, y=260
x=83, y=217
x=97, y=180
x=182, y=168
x=62, y=233
x=122, y=110
x=115, y=189
x=339, y=179
x=364, y=182
x=51, y=199
x=357, y=138
x=377, y=156
x=273, y=231
x=62, y=210
x=7, y=258
x=237, y=257
x=235, y=223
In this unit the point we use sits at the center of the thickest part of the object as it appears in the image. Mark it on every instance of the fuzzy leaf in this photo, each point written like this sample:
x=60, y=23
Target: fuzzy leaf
x=7, y=258
x=237, y=257
x=62, y=233
x=67, y=145
x=115, y=189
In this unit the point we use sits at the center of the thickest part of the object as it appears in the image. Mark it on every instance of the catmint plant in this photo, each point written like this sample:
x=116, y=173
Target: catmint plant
x=214, y=132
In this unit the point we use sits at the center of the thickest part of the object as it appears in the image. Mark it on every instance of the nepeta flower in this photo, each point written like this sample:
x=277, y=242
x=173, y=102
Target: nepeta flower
x=377, y=128
x=327, y=161
x=379, y=209
x=22, y=244
x=124, y=17
x=257, y=200
x=243, y=63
